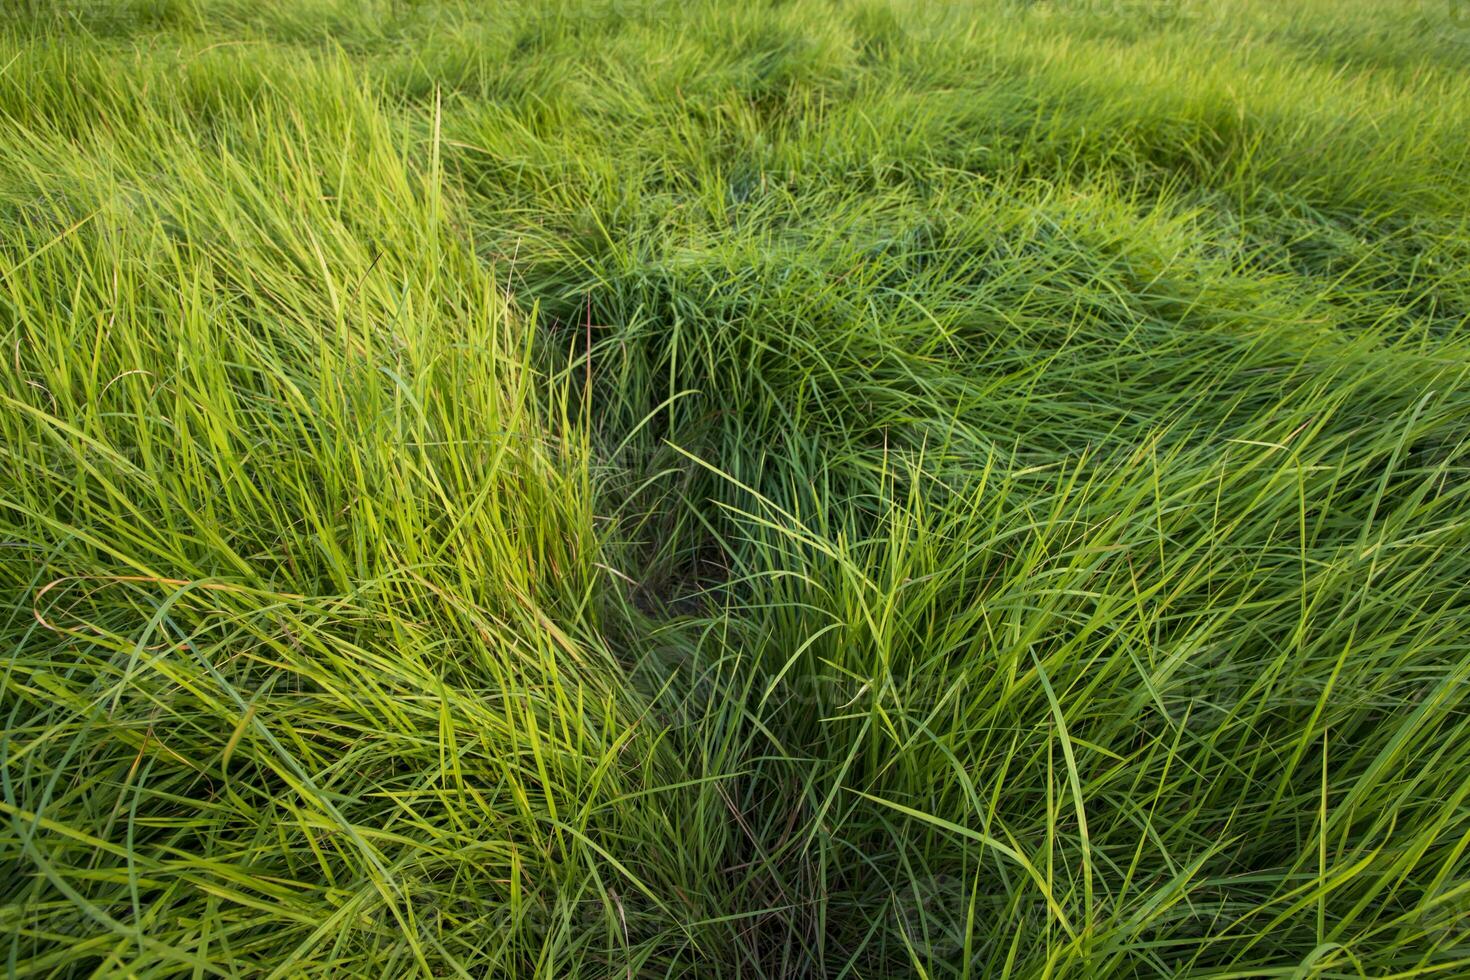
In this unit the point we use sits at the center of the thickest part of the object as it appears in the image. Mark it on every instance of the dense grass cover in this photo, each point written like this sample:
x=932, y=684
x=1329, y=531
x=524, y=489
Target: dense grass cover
x=786, y=489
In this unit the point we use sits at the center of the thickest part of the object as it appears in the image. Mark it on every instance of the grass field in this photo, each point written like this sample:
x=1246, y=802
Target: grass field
x=811, y=488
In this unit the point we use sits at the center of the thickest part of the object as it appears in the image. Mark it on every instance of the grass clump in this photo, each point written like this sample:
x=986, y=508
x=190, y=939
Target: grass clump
x=798, y=490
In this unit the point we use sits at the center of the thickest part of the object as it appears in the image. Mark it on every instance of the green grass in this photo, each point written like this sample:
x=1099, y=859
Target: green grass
x=788, y=489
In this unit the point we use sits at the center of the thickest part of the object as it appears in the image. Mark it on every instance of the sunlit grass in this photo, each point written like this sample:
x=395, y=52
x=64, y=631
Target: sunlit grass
x=808, y=489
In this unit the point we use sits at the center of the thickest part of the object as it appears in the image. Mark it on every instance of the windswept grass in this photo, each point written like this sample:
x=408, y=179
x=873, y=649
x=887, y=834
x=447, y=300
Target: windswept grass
x=800, y=489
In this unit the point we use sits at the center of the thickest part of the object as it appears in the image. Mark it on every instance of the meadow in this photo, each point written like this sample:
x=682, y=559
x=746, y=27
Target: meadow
x=786, y=489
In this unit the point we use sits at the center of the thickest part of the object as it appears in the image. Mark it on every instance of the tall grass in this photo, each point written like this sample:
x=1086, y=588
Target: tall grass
x=809, y=489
